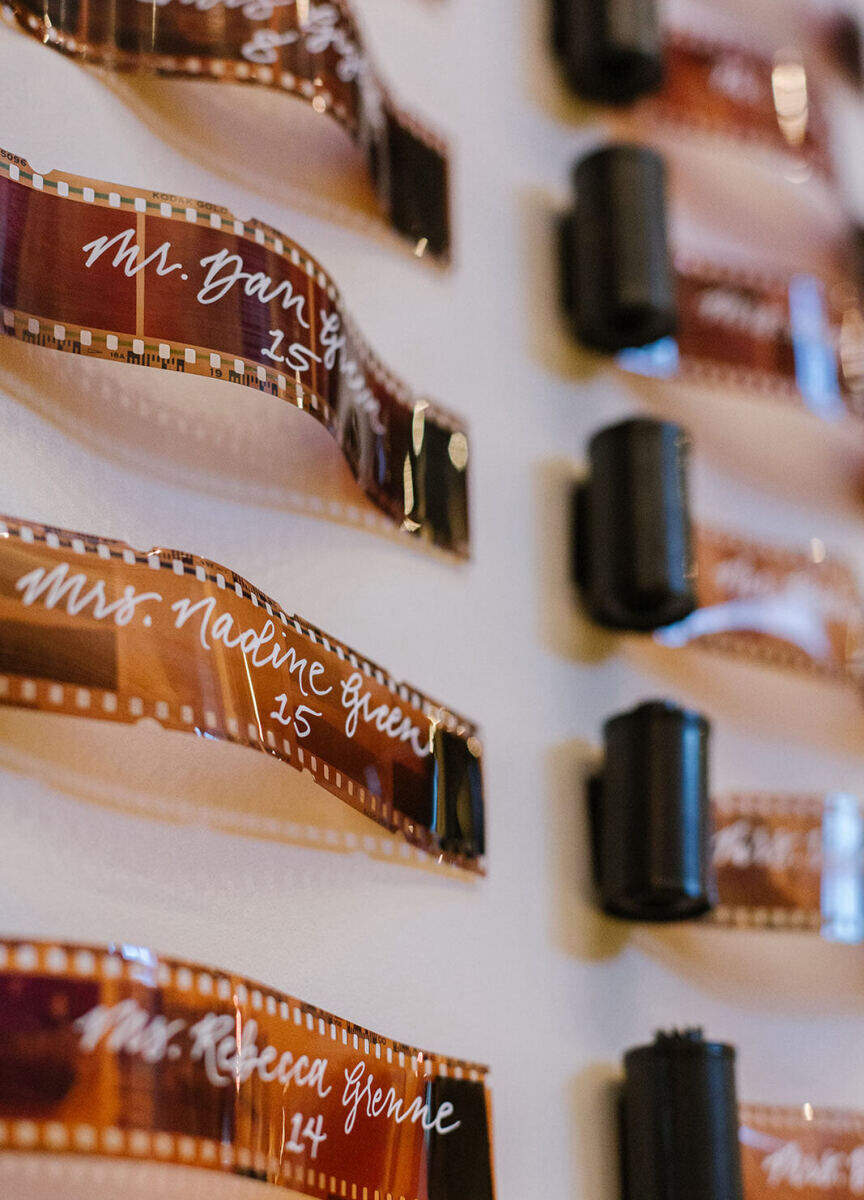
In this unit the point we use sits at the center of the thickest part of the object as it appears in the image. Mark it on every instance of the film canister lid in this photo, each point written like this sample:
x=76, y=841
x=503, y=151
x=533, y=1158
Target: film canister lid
x=680, y=1120
x=617, y=278
x=633, y=551
x=611, y=50
x=650, y=815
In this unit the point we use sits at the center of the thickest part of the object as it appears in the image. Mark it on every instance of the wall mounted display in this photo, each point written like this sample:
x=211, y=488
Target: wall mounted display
x=179, y=285
x=310, y=50
x=119, y=1053
x=667, y=849
x=642, y=563
x=683, y=1133
x=672, y=317
x=90, y=627
x=615, y=52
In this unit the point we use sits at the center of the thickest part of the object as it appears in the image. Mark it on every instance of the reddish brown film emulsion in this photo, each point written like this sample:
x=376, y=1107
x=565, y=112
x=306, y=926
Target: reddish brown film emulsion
x=712, y=86
x=314, y=51
x=785, y=607
x=175, y=284
x=91, y=628
x=116, y=1052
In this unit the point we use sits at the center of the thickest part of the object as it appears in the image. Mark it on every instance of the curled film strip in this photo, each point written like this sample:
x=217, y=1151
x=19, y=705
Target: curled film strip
x=684, y=1134
x=615, y=52
x=665, y=849
x=643, y=564
x=92, y=628
x=306, y=48
x=179, y=285
x=669, y=316
x=119, y=1053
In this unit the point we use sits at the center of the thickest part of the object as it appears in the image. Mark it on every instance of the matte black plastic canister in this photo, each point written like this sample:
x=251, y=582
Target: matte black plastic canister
x=618, y=283
x=611, y=50
x=651, y=815
x=633, y=552
x=680, y=1120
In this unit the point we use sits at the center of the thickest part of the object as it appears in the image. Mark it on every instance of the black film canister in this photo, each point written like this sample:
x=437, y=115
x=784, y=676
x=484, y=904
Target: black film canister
x=617, y=279
x=633, y=551
x=680, y=1120
x=651, y=815
x=611, y=50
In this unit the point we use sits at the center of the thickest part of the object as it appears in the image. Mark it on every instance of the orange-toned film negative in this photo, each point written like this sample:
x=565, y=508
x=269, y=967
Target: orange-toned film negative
x=719, y=87
x=90, y=627
x=786, y=861
x=796, y=337
x=684, y=1133
x=801, y=1152
x=792, y=608
x=119, y=1053
x=306, y=48
x=179, y=285
x=665, y=849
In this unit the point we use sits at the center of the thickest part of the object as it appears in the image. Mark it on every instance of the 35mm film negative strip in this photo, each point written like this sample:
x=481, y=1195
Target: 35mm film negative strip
x=643, y=564
x=311, y=49
x=90, y=627
x=684, y=1134
x=615, y=51
x=666, y=849
x=119, y=1053
x=179, y=285
x=669, y=316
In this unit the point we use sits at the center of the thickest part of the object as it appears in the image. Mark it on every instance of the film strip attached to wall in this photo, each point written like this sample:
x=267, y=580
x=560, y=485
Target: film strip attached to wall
x=615, y=52
x=305, y=48
x=90, y=627
x=119, y=1053
x=666, y=315
x=180, y=285
x=666, y=849
x=642, y=563
x=684, y=1134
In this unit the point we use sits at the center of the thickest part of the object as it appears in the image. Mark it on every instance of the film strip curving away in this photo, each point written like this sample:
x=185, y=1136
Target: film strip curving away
x=92, y=628
x=115, y=1052
x=669, y=316
x=305, y=48
x=616, y=52
x=683, y=1133
x=666, y=849
x=642, y=563
x=179, y=285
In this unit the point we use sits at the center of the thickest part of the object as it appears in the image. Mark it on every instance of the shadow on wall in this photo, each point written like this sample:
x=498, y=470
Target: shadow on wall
x=219, y=438
x=214, y=785
x=594, y=1113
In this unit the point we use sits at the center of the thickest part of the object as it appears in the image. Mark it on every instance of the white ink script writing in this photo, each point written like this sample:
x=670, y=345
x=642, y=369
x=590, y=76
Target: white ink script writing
x=128, y=254
x=390, y=721
x=829, y=1171
x=359, y=1091
x=231, y=1053
x=58, y=586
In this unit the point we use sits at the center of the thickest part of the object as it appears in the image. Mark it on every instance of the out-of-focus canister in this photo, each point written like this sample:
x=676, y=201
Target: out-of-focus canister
x=680, y=1120
x=611, y=50
x=617, y=279
x=633, y=551
x=651, y=817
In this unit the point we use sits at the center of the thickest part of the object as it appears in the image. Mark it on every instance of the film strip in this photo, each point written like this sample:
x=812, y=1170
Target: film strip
x=179, y=285
x=665, y=849
x=310, y=49
x=685, y=1133
x=690, y=82
x=92, y=628
x=643, y=564
x=668, y=315
x=119, y=1053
